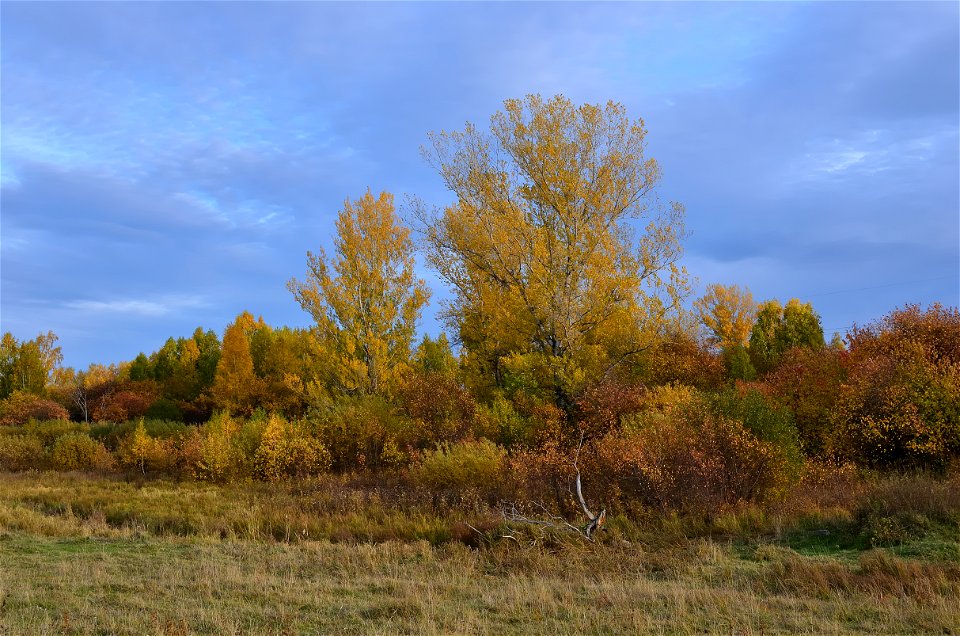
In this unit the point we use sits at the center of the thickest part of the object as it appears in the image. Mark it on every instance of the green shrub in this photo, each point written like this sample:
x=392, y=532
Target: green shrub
x=49, y=431
x=78, y=451
x=762, y=417
x=501, y=422
x=164, y=409
x=465, y=466
x=363, y=432
x=112, y=435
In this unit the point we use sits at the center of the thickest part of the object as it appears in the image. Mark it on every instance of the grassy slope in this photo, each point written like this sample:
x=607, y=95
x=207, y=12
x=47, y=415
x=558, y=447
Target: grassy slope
x=88, y=555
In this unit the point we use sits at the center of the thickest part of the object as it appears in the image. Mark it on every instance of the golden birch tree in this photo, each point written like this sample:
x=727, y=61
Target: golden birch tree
x=728, y=312
x=235, y=386
x=366, y=301
x=562, y=261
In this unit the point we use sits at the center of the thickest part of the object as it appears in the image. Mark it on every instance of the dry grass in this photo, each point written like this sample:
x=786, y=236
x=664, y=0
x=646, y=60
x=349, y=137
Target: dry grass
x=87, y=555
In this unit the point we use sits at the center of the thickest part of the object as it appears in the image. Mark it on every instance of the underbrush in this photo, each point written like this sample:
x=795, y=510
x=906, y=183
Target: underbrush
x=832, y=511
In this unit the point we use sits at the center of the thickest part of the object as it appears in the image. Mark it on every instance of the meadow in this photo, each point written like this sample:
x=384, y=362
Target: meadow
x=96, y=554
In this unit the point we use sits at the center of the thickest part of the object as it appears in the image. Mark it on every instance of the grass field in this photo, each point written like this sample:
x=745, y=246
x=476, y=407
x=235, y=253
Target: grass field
x=88, y=555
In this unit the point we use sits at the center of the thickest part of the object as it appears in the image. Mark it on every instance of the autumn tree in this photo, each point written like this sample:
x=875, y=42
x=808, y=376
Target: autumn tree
x=434, y=355
x=281, y=360
x=728, y=313
x=551, y=280
x=779, y=328
x=234, y=385
x=27, y=366
x=366, y=301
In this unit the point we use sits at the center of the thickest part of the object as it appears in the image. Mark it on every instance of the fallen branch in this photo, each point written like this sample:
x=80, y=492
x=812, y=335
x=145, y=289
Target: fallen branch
x=548, y=520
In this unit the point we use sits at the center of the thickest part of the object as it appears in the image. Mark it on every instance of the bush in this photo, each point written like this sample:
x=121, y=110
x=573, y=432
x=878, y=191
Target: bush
x=142, y=451
x=129, y=403
x=218, y=458
x=21, y=452
x=500, y=422
x=463, y=468
x=664, y=404
x=286, y=450
x=364, y=432
x=603, y=406
x=768, y=421
x=680, y=358
x=697, y=462
x=900, y=406
x=442, y=409
x=808, y=382
x=164, y=409
x=20, y=407
x=49, y=431
x=112, y=435
x=78, y=451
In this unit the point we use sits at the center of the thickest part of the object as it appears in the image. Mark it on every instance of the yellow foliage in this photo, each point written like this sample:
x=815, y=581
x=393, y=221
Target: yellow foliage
x=538, y=247
x=77, y=451
x=286, y=451
x=235, y=385
x=366, y=308
x=728, y=312
x=218, y=456
x=463, y=465
x=143, y=452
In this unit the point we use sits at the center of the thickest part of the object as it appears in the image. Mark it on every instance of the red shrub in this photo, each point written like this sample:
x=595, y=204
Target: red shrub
x=901, y=403
x=603, y=405
x=442, y=408
x=20, y=408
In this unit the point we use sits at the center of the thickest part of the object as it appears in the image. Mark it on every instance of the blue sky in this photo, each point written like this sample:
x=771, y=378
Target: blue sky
x=168, y=165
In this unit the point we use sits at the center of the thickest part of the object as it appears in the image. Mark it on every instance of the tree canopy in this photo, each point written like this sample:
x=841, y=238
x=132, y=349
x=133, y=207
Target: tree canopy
x=550, y=277
x=366, y=301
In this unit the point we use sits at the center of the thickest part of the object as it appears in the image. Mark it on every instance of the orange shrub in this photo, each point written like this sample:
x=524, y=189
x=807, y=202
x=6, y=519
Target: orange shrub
x=900, y=406
x=680, y=358
x=807, y=381
x=698, y=462
x=603, y=406
x=127, y=404
x=20, y=407
x=441, y=407
x=544, y=475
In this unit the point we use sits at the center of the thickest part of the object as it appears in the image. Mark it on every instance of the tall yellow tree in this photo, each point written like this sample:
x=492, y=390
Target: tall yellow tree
x=235, y=385
x=551, y=277
x=729, y=313
x=366, y=301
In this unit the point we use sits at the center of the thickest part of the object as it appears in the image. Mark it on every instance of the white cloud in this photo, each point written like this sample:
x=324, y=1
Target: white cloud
x=866, y=153
x=160, y=306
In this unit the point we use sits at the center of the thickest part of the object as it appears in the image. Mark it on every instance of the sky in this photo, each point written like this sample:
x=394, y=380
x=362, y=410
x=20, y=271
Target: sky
x=165, y=166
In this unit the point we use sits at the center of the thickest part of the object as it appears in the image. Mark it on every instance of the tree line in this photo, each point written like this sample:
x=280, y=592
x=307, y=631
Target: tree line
x=570, y=326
